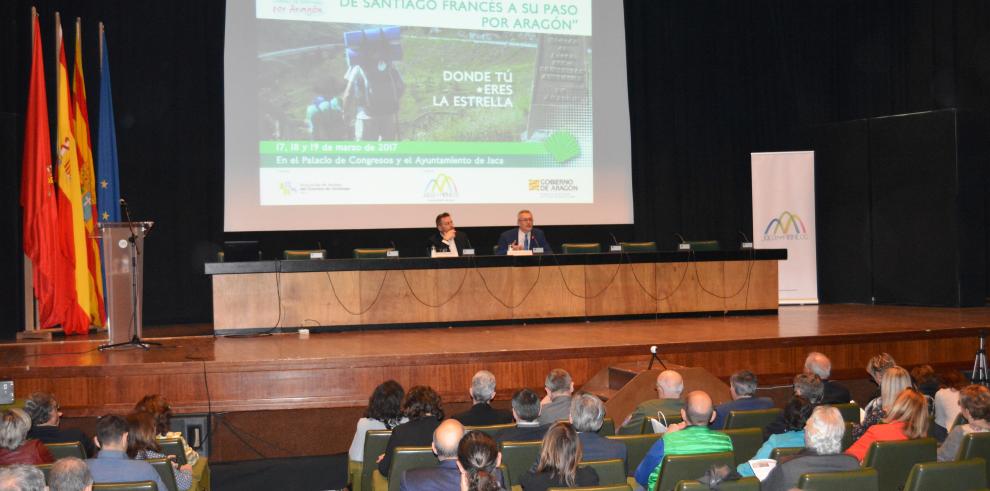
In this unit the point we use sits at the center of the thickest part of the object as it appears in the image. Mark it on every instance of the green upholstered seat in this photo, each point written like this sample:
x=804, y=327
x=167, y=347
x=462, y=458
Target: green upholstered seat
x=490, y=430
x=859, y=480
x=163, y=467
x=610, y=472
x=375, y=443
x=779, y=452
x=744, y=484
x=962, y=475
x=893, y=460
x=976, y=445
x=636, y=447
x=303, y=254
x=519, y=457
x=745, y=442
x=69, y=449
x=677, y=468
x=371, y=253
x=756, y=418
x=580, y=248
x=127, y=486
x=638, y=246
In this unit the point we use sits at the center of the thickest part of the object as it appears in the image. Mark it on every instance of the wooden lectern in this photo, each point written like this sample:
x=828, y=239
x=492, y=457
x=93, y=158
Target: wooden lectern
x=123, y=261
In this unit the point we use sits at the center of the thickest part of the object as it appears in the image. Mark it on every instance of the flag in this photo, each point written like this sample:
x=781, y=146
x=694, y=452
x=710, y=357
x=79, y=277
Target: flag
x=80, y=131
x=108, y=191
x=38, y=189
x=73, y=282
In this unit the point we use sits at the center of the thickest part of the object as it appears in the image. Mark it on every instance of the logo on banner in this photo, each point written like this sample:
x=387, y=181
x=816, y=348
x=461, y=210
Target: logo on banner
x=552, y=185
x=786, y=226
x=441, y=187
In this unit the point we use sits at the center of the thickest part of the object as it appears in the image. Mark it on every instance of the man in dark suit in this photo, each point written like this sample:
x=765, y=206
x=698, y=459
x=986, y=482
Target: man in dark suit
x=524, y=237
x=587, y=416
x=45, y=418
x=819, y=364
x=445, y=476
x=482, y=413
x=742, y=387
x=447, y=238
x=526, y=411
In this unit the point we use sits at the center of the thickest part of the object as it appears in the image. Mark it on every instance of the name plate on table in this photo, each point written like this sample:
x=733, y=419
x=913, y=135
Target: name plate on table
x=467, y=252
x=615, y=248
x=521, y=252
x=316, y=255
x=392, y=253
x=684, y=246
x=435, y=253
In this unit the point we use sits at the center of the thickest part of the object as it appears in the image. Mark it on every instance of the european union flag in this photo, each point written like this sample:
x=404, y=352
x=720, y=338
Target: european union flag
x=107, y=179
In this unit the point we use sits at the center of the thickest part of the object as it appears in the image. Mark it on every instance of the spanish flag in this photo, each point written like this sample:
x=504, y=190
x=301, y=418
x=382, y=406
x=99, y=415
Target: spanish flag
x=73, y=285
x=80, y=130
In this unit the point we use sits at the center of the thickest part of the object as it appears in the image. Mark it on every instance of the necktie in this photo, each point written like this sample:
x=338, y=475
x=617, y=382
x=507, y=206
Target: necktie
x=527, y=242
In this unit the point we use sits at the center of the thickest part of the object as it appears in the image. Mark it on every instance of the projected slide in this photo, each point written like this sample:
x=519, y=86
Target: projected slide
x=423, y=101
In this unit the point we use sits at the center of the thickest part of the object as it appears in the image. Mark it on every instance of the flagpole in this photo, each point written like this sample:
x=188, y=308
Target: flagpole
x=101, y=46
x=58, y=41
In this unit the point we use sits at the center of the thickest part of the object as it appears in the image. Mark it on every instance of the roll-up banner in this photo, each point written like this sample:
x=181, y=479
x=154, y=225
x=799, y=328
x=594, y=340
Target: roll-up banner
x=784, y=218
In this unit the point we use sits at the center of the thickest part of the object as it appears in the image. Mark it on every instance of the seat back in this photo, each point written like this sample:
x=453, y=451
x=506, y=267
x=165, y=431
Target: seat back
x=617, y=487
x=960, y=475
x=519, y=457
x=608, y=427
x=976, y=445
x=406, y=458
x=677, y=468
x=580, y=248
x=756, y=418
x=745, y=442
x=647, y=426
x=301, y=254
x=163, y=467
x=68, y=449
x=893, y=460
x=126, y=486
x=375, y=442
x=849, y=411
x=744, y=484
x=610, y=472
x=847, y=437
x=173, y=447
x=779, y=452
x=859, y=480
x=636, y=446
x=45, y=469
x=371, y=253
x=704, y=245
x=638, y=246
x=490, y=430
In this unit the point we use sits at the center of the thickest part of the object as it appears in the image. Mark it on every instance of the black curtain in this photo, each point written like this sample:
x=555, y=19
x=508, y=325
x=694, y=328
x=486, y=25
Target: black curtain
x=709, y=82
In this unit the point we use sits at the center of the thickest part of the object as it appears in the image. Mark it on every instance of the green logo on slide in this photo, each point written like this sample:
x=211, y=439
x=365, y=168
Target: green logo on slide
x=562, y=146
x=441, y=187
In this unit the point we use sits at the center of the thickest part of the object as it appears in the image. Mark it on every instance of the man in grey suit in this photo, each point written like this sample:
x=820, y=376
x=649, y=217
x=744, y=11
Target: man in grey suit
x=587, y=416
x=556, y=405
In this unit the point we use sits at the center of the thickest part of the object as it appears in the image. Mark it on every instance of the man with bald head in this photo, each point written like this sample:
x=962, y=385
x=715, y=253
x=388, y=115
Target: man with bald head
x=445, y=476
x=693, y=436
x=670, y=384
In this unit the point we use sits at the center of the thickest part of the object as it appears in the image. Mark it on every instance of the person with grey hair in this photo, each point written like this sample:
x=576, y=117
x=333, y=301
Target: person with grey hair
x=818, y=364
x=822, y=453
x=482, y=413
x=15, y=447
x=806, y=385
x=70, y=474
x=742, y=388
x=670, y=385
x=22, y=477
x=587, y=416
x=557, y=403
x=526, y=412
x=46, y=415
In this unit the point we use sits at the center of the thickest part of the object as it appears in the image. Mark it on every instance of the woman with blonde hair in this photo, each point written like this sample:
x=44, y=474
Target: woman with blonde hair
x=558, y=463
x=892, y=382
x=907, y=419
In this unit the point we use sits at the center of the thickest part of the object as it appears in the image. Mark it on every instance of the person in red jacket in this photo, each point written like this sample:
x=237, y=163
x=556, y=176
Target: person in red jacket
x=15, y=447
x=907, y=420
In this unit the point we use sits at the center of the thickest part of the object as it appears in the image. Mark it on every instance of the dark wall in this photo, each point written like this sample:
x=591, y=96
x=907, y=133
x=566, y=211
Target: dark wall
x=709, y=82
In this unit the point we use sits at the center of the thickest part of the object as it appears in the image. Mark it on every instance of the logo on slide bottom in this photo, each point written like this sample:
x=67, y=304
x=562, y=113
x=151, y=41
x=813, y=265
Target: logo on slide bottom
x=786, y=226
x=441, y=187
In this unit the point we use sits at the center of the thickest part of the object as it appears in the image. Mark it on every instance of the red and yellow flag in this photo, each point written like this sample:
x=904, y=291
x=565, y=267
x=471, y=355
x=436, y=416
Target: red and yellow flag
x=73, y=284
x=87, y=177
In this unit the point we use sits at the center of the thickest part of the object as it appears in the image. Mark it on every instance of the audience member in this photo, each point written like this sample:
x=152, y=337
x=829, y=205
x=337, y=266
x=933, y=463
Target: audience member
x=142, y=445
x=45, y=418
x=587, y=416
x=670, y=384
x=422, y=406
x=15, y=447
x=894, y=380
x=876, y=366
x=478, y=459
x=445, y=476
x=975, y=407
x=807, y=385
x=159, y=407
x=819, y=364
x=111, y=463
x=906, y=420
x=481, y=413
x=557, y=403
x=947, y=403
x=22, y=477
x=557, y=466
x=384, y=413
x=693, y=436
x=526, y=412
x=742, y=387
x=925, y=380
x=796, y=414
x=70, y=474
x=822, y=453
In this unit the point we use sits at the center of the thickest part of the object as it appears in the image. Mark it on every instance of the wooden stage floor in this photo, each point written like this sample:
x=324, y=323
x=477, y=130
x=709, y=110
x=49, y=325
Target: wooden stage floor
x=283, y=371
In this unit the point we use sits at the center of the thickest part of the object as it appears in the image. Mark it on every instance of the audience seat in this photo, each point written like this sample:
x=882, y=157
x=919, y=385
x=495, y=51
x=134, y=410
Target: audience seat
x=371, y=253
x=580, y=248
x=490, y=430
x=519, y=457
x=45, y=469
x=403, y=459
x=744, y=484
x=70, y=449
x=638, y=246
x=847, y=437
x=704, y=245
x=173, y=446
x=861, y=480
x=375, y=442
x=164, y=468
x=757, y=418
x=610, y=472
x=947, y=476
x=302, y=254
x=677, y=468
x=127, y=486
x=617, y=487
x=636, y=447
x=976, y=445
x=608, y=427
x=849, y=411
x=779, y=452
x=745, y=442
x=893, y=460
x=647, y=426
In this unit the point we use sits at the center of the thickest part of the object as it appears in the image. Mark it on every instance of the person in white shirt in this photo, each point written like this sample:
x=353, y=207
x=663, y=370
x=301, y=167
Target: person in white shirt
x=447, y=238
